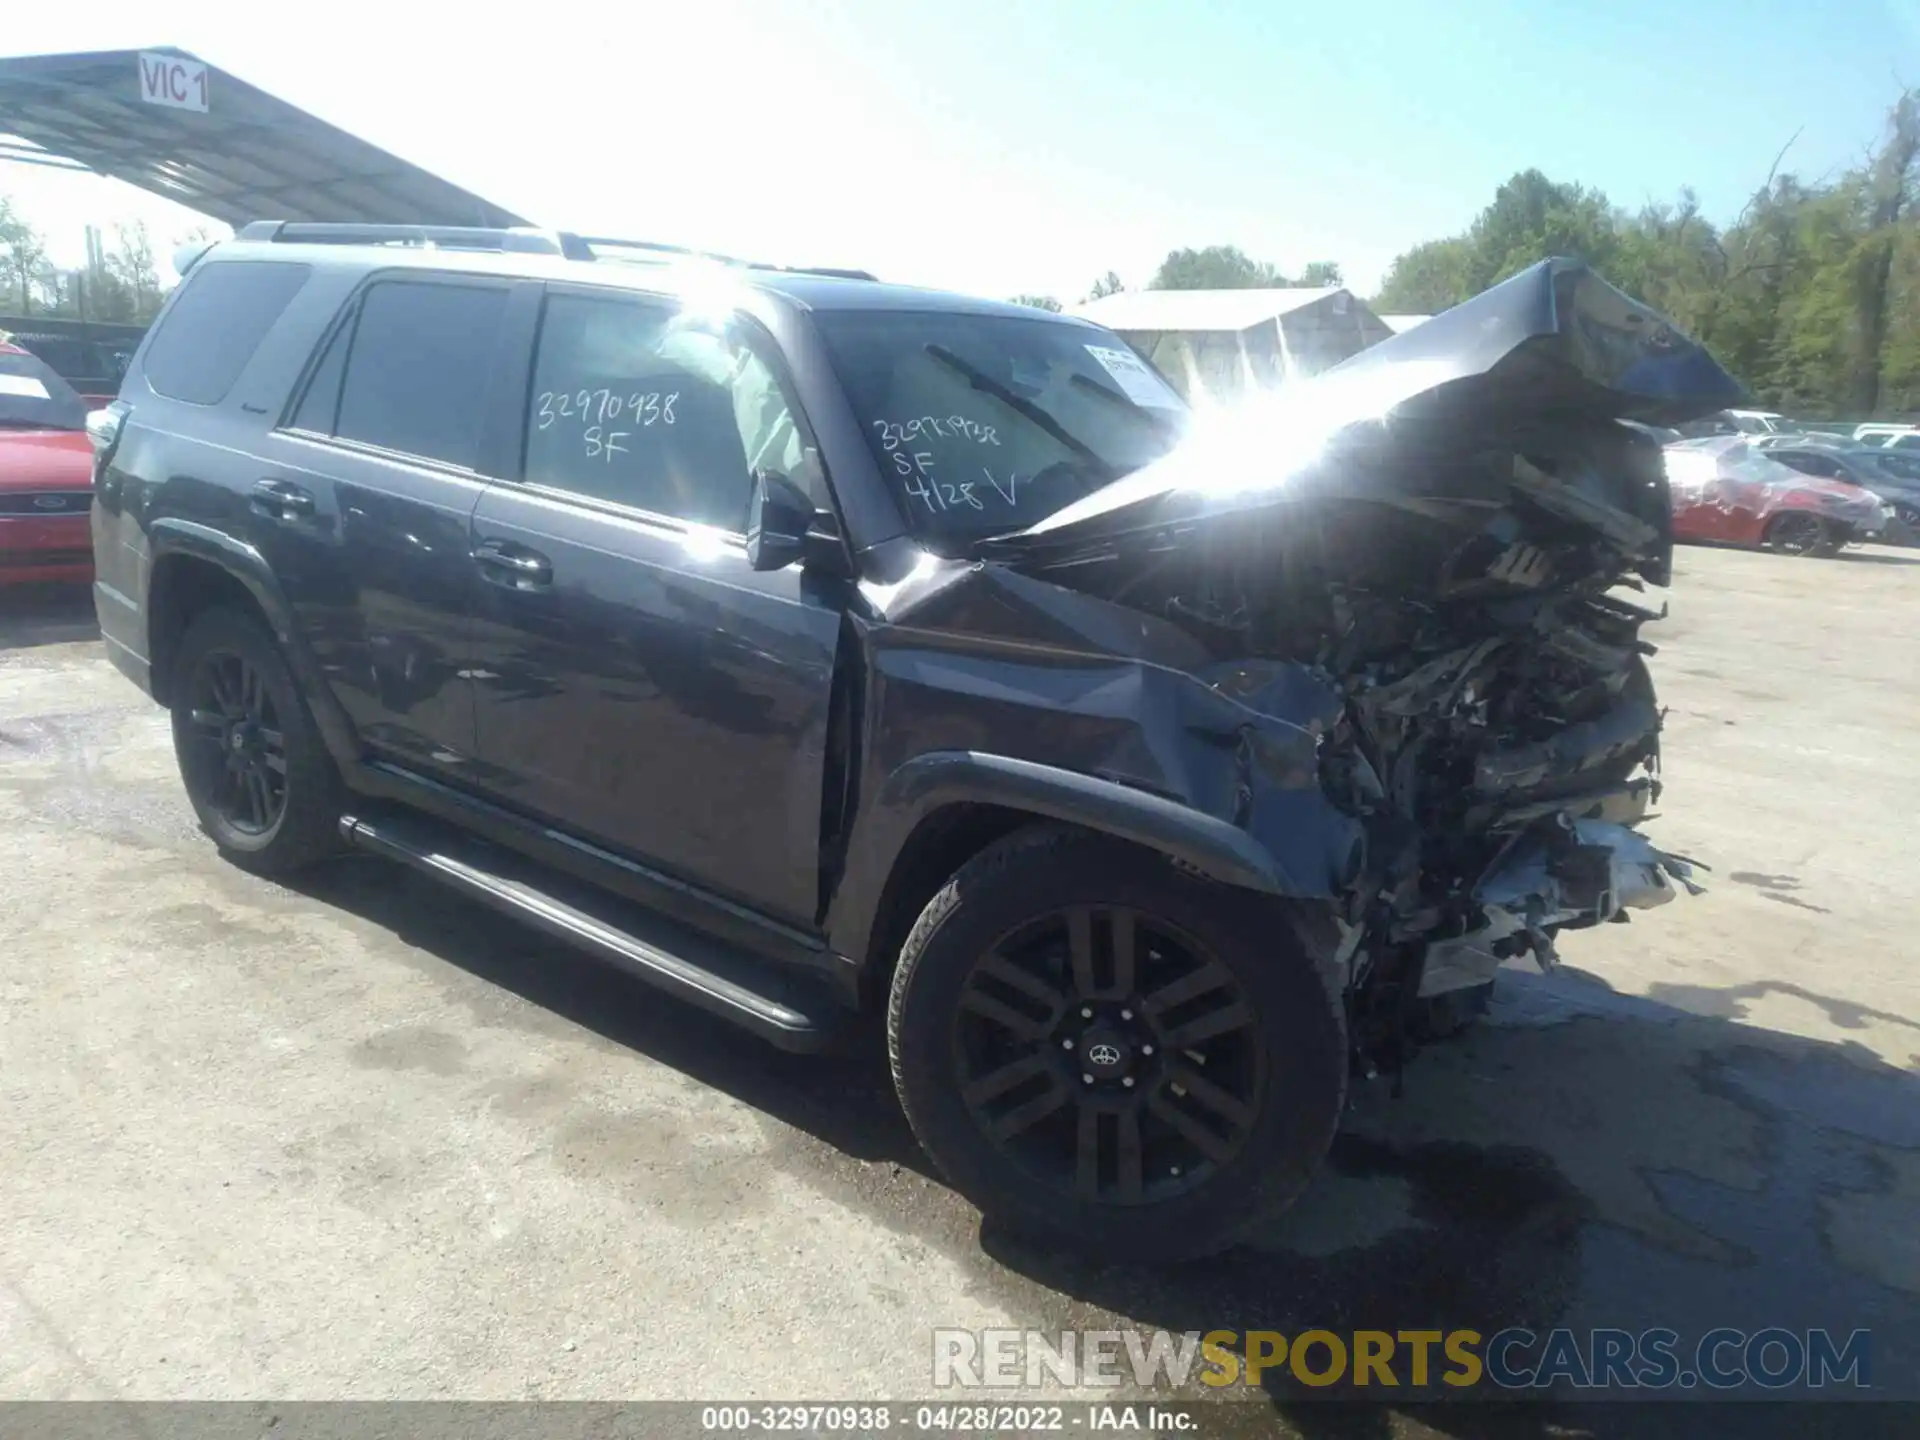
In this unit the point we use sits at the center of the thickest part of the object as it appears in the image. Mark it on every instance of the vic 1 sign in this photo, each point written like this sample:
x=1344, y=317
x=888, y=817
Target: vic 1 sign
x=169, y=80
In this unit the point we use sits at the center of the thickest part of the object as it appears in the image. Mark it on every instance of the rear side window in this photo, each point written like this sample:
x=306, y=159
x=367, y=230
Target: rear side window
x=416, y=370
x=213, y=328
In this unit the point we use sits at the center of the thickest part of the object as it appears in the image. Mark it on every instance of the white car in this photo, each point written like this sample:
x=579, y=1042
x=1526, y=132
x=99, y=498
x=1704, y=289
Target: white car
x=1889, y=437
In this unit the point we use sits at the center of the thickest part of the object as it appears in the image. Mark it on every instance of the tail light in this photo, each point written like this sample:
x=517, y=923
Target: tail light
x=103, y=429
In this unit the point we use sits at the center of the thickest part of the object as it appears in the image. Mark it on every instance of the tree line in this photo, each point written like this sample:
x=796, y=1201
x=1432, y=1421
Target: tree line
x=1811, y=295
x=119, y=282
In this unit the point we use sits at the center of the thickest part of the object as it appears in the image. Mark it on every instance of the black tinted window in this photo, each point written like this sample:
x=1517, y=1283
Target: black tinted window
x=216, y=324
x=417, y=371
x=320, y=406
x=634, y=403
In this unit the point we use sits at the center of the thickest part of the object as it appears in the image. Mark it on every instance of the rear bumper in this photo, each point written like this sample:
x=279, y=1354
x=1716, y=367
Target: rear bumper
x=11, y=574
x=119, y=631
x=35, y=549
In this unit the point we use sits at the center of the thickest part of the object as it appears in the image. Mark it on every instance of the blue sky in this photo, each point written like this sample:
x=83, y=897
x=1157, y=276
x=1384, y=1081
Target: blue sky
x=999, y=146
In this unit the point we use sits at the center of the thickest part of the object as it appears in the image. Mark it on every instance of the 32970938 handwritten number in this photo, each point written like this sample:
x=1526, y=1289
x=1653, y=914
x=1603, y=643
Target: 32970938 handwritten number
x=592, y=409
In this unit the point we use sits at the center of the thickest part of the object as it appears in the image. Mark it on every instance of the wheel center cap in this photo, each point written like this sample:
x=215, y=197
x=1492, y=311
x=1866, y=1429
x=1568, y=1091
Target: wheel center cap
x=1105, y=1054
x=237, y=739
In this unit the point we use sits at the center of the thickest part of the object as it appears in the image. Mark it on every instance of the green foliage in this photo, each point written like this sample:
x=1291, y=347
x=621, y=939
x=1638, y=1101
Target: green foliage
x=23, y=258
x=1218, y=267
x=1320, y=274
x=124, y=285
x=1428, y=278
x=1107, y=284
x=1039, y=302
x=1811, y=295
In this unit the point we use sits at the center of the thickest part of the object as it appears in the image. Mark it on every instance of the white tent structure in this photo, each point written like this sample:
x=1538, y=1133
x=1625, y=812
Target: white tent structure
x=1398, y=324
x=1221, y=343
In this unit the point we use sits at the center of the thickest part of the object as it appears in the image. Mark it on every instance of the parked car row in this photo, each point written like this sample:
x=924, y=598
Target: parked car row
x=1893, y=475
x=1726, y=489
x=1881, y=435
x=46, y=468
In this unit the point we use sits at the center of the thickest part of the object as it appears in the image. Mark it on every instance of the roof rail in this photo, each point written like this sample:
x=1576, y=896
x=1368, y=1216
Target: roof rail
x=655, y=248
x=443, y=237
x=528, y=241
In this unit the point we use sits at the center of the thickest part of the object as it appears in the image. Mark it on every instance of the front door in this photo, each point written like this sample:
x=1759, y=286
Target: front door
x=636, y=682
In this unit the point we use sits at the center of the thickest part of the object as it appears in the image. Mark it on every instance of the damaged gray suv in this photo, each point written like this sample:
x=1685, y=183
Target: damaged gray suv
x=811, y=646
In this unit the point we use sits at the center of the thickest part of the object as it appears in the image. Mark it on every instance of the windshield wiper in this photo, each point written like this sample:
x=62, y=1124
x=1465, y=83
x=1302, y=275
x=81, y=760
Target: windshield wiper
x=986, y=384
x=1113, y=397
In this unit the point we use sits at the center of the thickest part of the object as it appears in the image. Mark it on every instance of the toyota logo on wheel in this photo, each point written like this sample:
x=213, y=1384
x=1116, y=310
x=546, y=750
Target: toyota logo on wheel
x=1104, y=1054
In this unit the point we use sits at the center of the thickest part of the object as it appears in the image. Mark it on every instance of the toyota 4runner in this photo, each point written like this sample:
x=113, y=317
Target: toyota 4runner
x=810, y=645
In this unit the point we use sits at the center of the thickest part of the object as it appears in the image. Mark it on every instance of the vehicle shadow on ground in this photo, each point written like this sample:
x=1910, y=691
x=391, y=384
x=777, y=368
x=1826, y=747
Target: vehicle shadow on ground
x=32, y=615
x=845, y=1099
x=1585, y=1159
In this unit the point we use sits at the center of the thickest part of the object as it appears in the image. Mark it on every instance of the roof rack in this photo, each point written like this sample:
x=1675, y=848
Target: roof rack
x=654, y=247
x=522, y=240
x=444, y=237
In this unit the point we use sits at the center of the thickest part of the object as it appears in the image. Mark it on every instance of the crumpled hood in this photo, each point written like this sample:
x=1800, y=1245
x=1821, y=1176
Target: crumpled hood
x=1555, y=343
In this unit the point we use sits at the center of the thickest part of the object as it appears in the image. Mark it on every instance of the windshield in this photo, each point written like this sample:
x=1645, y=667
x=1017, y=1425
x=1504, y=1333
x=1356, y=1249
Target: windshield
x=32, y=397
x=988, y=423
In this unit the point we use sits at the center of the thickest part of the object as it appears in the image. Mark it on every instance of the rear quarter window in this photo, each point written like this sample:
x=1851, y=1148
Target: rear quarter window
x=212, y=329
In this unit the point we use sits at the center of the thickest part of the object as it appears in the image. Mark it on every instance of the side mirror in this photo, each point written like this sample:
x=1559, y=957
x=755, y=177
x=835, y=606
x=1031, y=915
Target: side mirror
x=777, y=521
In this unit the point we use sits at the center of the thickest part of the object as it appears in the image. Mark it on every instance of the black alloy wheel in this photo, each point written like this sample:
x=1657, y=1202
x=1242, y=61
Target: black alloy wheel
x=256, y=768
x=1797, y=533
x=1111, y=1054
x=1108, y=1056
x=241, y=760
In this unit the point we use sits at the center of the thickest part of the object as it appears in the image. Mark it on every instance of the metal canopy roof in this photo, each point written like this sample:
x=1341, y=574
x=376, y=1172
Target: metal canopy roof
x=245, y=156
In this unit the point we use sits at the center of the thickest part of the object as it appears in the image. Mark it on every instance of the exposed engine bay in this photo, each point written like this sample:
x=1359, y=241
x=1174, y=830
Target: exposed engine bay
x=1496, y=728
x=1447, y=601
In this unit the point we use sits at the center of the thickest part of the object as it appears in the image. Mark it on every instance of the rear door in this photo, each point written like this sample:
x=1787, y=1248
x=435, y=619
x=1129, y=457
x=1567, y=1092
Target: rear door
x=636, y=681
x=364, y=500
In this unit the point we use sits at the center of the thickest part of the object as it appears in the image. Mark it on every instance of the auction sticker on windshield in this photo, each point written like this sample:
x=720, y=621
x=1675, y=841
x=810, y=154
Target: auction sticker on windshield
x=1134, y=378
x=25, y=386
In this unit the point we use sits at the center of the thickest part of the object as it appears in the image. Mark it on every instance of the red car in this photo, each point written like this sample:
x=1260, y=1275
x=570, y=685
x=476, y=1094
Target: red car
x=46, y=474
x=1725, y=491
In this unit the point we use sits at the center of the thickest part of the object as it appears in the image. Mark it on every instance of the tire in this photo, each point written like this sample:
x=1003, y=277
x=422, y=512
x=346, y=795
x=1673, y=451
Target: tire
x=1906, y=524
x=1281, y=1069
x=1798, y=533
x=233, y=698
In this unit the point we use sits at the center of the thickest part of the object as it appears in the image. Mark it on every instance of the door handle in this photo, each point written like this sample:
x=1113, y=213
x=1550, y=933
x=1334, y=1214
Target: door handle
x=515, y=566
x=279, y=500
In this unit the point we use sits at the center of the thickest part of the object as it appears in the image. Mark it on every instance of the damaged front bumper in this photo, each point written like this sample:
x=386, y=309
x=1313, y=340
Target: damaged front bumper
x=1566, y=874
x=1437, y=591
